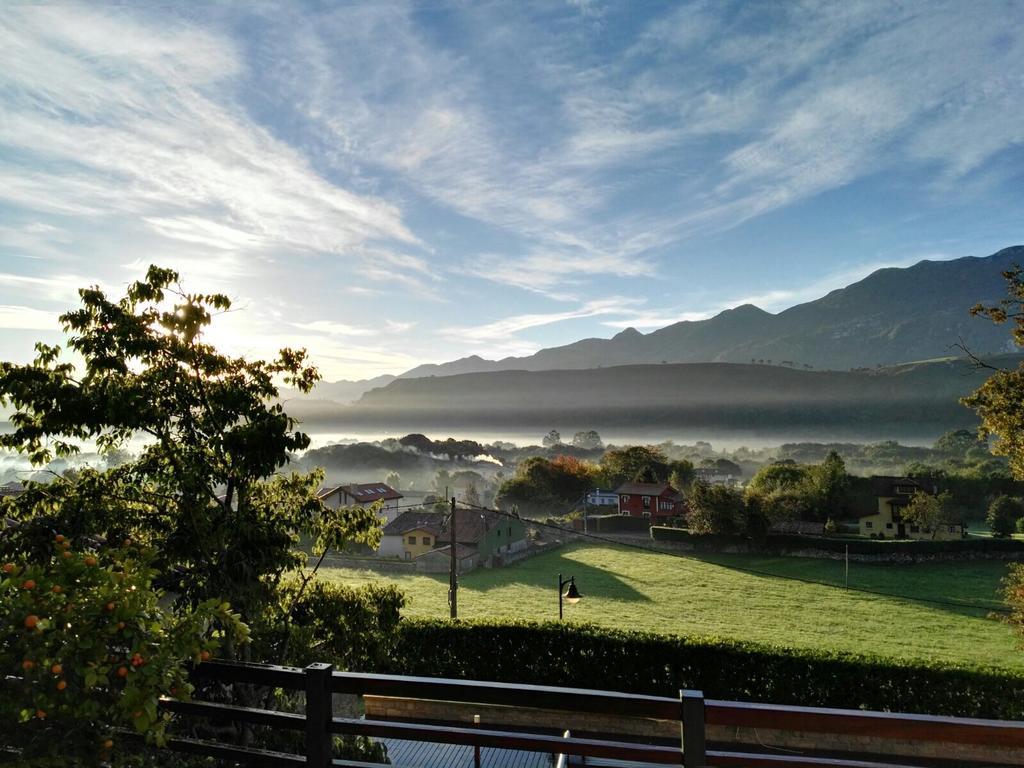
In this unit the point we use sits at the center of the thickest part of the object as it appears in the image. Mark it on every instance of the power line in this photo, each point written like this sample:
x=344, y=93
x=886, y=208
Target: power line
x=752, y=571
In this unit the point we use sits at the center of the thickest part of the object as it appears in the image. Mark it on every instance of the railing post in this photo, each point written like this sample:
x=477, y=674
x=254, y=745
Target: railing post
x=691, y=711
x=319, y=713
x=476, y=747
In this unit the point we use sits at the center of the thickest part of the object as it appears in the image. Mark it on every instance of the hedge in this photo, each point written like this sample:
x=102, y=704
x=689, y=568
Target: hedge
x=588, y=656
x=793, y=542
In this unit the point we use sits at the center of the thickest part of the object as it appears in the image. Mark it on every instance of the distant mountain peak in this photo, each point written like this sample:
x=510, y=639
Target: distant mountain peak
x=628, y=333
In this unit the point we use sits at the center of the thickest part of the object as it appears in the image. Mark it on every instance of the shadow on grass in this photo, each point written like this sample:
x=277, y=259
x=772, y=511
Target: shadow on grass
x=541, y=571
x=966, y=588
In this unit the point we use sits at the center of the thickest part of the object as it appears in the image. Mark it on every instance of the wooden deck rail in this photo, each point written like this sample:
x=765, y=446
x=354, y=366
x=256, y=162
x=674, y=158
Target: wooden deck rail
x=693, y=712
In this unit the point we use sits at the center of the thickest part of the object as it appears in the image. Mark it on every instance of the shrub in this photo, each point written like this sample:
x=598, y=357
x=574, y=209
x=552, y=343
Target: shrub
x=641, y=662
x=1003, y=514
x=93, y=650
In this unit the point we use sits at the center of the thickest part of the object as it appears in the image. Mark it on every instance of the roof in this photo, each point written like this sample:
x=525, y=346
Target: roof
x=414, y=520
x=663, y=490
x=12, y=489
x=363, y=493
x=471, y=525
x=885, y=485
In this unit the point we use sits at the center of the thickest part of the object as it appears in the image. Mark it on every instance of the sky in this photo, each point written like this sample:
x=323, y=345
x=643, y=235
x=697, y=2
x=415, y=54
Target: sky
x=388, y=183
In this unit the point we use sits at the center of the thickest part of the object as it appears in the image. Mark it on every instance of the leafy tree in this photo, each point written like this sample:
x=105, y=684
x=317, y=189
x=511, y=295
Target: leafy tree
x=394, y=480
x=959, y=442
x=551, y=439
x=1003, y=514
x=929, y=511
x=589, y=440
x=92, y=649
x=715, y=509
x=680, y=474
x=774, y=478
x=1000, y=400
x=622, y=465
x=831, y=483
x=545, y=485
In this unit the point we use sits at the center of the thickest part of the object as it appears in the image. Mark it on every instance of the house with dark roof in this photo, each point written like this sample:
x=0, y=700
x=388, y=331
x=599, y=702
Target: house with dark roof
x=499, y=539
x=411, y=534
x=363, y=495
x=893, y=494
x=12, y=489
x=658, y=501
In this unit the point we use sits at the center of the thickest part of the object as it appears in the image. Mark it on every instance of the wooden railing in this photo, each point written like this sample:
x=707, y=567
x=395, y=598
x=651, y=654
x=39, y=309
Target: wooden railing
x=691, y=710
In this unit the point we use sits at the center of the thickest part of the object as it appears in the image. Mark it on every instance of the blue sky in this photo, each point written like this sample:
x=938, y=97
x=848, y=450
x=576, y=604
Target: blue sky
x=389, y=183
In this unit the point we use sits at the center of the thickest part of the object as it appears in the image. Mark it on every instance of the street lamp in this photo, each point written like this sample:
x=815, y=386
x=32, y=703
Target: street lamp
x=571, y=594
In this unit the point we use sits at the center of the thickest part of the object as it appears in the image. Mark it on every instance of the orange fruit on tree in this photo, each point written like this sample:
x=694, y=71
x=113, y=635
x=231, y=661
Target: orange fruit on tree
x=90, y=560
x=27, y=664
x=28, y=584
x=108, y=743
x=66, y=545
x=41, y=714
x=61, y=685
x=56, y=669
x=110, y=606
x=122, y=671
x=65, y=554
x=205, y=655
x=31, y=621
x=56, y=589
x=59, y=538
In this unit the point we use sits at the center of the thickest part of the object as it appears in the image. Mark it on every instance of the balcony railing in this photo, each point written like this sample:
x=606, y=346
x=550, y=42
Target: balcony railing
x=691, y=710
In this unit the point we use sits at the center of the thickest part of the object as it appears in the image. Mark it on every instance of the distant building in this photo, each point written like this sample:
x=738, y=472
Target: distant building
x=658, y=501
x=363, y=495
x=11, y=489
x=715, y=476
x=411, y=534
x=893, y=495
x=499, y=539
x=599, y=498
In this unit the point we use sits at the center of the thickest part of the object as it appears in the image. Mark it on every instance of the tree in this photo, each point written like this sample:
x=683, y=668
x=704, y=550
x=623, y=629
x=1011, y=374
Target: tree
x=1000, y=400
x=681, y=474
x=714, y=509
x=93, y=648
x=623, y=465
x=551, y=439
x=929, y=511
x=207, y=491
x=831, y=484
x=394, y=480
x=1003, y=514
x=588, y=440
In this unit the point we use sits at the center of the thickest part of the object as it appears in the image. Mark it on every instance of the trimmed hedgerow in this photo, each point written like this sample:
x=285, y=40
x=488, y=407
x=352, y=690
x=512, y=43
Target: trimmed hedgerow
x=587, y=656
x=791, y=543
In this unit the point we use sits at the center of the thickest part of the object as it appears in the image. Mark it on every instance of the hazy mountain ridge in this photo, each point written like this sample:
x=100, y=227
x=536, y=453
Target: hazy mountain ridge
x=894, y=315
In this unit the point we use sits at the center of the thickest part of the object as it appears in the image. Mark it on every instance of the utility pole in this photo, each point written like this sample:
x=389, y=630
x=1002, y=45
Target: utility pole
x=847, y=566
x=453, y=575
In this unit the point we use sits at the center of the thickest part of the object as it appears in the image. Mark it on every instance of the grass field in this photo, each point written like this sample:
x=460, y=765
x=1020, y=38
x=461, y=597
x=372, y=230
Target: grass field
x=632, y=589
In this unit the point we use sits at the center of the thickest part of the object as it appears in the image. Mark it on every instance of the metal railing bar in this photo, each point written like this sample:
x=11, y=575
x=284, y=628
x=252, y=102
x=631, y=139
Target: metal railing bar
x=512, y=694
x=235, y=713
x=752, y=760
x=619, y=750
x=291, y=678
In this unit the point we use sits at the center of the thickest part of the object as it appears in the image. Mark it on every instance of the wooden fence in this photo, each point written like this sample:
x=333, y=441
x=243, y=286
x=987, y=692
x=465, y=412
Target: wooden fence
x=693, y=712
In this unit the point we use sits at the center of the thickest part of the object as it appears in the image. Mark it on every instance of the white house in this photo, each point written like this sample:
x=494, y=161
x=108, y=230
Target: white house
x=599, y=498
x=363, y=495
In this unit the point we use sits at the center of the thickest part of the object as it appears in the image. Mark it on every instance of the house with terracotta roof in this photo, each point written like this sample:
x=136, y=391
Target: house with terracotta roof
x=658, y=501
x=363, y=495
x=499, y=539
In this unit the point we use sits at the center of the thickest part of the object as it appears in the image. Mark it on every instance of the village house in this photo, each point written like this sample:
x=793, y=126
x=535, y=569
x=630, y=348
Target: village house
x=658, y=501
x=411, y=534
x=498, y=539
x=363, y=495
x=893, y=494
x=600, y=498
x=715, y=476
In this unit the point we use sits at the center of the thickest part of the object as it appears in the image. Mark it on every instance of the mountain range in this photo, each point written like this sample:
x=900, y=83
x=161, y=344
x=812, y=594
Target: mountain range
x=895, y=315
x=892, y=316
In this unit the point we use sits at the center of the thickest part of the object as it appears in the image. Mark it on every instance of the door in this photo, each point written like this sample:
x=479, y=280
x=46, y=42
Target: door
x=901, y=531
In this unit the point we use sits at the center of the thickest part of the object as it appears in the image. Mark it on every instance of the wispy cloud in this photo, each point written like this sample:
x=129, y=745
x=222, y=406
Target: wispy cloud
x=506, y=328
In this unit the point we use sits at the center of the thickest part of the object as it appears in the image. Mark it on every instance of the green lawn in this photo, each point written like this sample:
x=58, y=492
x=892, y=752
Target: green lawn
x=633, y=589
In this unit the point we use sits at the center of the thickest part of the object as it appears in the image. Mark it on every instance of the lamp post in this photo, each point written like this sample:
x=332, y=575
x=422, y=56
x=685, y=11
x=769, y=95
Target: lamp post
x=571, y=594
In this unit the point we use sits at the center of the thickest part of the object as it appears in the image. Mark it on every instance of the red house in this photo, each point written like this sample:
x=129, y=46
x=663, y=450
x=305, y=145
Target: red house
x=654, y=500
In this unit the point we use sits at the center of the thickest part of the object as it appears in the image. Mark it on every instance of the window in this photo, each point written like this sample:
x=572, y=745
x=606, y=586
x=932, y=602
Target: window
x=499, y=533
x=952, y=529
x=869, y=524
x=625, y=499
x=888, y=525
x=426, y=540
x=412, y=539
x=647, y=502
